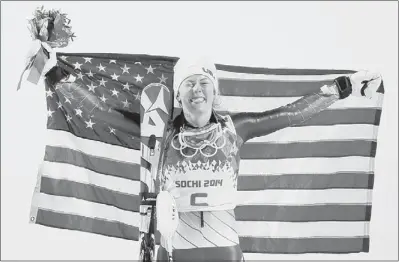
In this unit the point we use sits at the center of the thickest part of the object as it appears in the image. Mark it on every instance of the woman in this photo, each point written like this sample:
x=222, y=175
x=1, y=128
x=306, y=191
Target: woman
x=201, y=159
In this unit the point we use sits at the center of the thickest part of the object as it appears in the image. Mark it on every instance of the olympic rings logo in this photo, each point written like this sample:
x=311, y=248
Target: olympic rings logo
x=207, y=148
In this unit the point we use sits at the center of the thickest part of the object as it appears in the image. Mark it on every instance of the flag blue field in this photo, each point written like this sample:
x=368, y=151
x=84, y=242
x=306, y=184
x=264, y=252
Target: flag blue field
x=303, y=189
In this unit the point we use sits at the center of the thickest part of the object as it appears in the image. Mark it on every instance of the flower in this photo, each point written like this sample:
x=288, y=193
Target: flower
x=51, y=27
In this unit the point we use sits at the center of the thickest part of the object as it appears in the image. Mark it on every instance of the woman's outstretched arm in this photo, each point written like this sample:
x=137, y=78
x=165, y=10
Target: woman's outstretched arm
x=250, y=125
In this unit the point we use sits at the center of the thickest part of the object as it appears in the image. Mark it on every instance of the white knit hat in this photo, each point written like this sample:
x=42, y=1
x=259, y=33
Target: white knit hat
x=188, y=66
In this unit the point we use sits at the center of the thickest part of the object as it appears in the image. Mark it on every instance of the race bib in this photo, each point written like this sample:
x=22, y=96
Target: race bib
x=199, y=190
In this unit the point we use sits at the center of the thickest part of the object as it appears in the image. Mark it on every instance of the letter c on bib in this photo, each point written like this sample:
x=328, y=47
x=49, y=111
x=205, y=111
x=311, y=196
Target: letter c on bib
x=194, y=197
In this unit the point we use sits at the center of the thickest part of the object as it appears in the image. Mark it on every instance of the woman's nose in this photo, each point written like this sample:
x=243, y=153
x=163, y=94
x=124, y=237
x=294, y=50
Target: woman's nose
x=197, y=87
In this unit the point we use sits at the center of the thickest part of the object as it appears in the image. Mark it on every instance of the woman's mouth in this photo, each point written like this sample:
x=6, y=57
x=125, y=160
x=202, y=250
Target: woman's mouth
x=197, y=100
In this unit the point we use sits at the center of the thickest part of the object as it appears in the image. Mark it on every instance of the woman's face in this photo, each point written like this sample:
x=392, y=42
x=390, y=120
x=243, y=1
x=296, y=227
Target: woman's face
x=197, y=94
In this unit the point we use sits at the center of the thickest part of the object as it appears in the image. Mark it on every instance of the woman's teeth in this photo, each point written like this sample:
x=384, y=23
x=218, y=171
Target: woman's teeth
x=197, y=100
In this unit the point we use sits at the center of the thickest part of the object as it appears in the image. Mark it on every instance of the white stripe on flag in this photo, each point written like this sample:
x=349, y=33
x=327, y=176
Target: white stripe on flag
x=260, y=104
x=146, y=178
x=311, y=165
x=302, y=229
x=304, y=197
x=295, y=78
x=68, y=205
x=64, y=139
x=81, y=175
x=324, y=133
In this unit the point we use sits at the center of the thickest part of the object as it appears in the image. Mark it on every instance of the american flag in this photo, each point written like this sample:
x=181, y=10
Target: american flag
x=90, y=177
x=303, y=189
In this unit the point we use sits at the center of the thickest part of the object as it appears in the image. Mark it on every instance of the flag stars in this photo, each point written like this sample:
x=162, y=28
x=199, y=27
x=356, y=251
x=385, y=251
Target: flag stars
x=92, y=87
x=126, y=103
x=115, y=92
x=139, y=78
x=115, y=77
x=87, y=59
x=102, y=82
x=150, y=69
x=126, y=86
x=111, y=130
x=67, y=100
x=78, y=112
x=59, y=104
x=80, y=75
x=69, y=118
x=90, y=74
x=137, y=63
x=50, y=112
x=49, y=93
x=162, y=79
x=89, y=124
x=77, y=65
x=101, y=68
x=125, y=69
x=137, y=96
x=63, y=57
x=112, y=61
x=103, y=99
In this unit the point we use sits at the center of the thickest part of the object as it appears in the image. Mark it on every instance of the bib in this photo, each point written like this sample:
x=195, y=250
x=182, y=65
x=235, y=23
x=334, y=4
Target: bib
x=202, y=164
x=200, y=188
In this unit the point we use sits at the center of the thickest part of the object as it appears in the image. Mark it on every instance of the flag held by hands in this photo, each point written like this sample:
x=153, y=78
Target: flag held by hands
x=302, y=189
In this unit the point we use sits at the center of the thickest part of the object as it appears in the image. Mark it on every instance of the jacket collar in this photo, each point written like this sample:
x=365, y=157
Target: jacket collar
x=181, y=120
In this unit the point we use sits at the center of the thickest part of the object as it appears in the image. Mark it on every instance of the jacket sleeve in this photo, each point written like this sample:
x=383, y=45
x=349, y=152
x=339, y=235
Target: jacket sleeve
x=249, y=125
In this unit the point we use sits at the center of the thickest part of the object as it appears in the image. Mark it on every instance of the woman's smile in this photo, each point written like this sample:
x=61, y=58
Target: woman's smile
x=197, y=100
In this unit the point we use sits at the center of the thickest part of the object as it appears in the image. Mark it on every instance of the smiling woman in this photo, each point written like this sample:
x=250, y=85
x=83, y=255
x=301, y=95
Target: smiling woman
x=196, y=88
x=201, y=158
x=309, y=35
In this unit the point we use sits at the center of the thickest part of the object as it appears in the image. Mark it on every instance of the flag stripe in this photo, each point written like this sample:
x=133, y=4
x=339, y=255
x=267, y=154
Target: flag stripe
x=221, y=74
x=308, y=149
x=87, y=224
x=302, y=229
x=306, y=181
x=64, y=139
x=125, y=130
x=92, y=193
x=303, y=213
x=100, y=165
x=268, y=88
x=145, y=164
x=315, y=133
x=85, y=176
x=304, y=197
x=345, y=116
x=260, y=104
x=312, y=165
x=329, y=117
x=69, y=205
x=280, y=71
x=302, y=245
